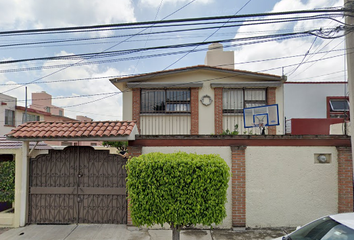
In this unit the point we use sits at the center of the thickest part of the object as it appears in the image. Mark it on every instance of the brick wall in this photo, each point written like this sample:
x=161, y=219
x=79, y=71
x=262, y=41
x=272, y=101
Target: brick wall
x=218, y=110
x=271, y=99
x=134, y=151
x=194, y=111
x=345, y=180
x=238, y=186
x=136, y=107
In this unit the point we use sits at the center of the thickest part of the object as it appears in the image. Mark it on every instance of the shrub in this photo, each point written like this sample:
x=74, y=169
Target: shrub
x=7, y=181
x=180, y=189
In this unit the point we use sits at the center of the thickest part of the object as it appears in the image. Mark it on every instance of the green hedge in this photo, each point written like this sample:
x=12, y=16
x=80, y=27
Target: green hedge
x=7, y=181
x=179, y=189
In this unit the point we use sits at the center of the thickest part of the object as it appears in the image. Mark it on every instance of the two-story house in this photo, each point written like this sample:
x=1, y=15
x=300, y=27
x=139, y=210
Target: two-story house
x=273, y=176
x=199, y=100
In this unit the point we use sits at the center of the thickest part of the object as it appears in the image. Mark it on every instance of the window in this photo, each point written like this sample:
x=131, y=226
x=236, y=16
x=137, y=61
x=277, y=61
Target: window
x=9, y=117
x=47, y=109
x=235, y=100
x=165, y=101
x=60, y=112
x=30, y=117
x=338, y=107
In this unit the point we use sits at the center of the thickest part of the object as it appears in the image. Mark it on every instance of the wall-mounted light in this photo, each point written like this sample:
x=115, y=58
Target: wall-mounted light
x=322, y=158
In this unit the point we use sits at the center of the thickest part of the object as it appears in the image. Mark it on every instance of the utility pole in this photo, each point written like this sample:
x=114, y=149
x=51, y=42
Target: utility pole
x=349, y=39
x=25, y=120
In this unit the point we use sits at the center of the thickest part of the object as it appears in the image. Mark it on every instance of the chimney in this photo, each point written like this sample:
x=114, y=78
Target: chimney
x=217, y=57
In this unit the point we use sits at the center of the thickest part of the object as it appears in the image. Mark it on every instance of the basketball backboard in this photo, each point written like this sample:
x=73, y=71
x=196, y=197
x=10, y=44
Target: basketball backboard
x=262, y=116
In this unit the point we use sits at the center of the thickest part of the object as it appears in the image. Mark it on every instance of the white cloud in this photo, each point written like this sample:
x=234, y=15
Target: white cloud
x=90, y=106
x=291, y=47
x=156, y=3
x=18, y=14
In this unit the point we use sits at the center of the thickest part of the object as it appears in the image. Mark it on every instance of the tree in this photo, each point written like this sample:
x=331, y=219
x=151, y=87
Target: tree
x=179, y=188
x=121, y=146
x=7, y=181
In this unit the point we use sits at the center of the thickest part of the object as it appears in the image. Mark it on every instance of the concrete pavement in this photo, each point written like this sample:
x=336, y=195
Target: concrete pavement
x=122, y=232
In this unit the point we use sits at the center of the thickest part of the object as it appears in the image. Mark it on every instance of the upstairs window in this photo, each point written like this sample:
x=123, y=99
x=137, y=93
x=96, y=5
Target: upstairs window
x=165, y=101
x=30, y=118
x=338, y=107
x=235, y=100
x=9, y=117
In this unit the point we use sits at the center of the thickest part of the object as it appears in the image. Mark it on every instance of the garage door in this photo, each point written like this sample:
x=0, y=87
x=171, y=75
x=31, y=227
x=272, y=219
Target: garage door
x=77, y=185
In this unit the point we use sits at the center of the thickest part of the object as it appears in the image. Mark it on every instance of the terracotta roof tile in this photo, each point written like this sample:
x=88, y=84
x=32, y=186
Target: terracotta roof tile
x=52, y=130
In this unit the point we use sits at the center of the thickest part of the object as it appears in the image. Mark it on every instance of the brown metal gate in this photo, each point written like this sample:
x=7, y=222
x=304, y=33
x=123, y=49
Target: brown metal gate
x=77, y=185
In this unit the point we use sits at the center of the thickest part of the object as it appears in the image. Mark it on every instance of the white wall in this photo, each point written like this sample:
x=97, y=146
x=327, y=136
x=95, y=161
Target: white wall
x=10, y=105
x=285, y=187
x=224, y=152
x=308, y=100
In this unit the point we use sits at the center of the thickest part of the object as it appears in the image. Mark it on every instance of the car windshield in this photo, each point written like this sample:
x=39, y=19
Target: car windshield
x=322, y=229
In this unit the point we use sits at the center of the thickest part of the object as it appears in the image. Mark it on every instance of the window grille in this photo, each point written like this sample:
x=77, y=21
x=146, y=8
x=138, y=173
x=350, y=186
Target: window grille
x=165, y=101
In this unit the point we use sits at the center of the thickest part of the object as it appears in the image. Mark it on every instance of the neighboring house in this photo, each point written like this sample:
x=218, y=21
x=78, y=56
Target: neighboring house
x=43, y=102
x=199, y=100
x=12, y=115
x=315, y=107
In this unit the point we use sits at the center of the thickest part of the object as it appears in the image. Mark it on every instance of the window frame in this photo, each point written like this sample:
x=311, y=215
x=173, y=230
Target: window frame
x=337, y=114
x=165, y=102
x=13, y=123
x=245, y=101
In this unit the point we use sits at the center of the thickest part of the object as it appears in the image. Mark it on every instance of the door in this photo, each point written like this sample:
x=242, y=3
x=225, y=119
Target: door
x=77, y=185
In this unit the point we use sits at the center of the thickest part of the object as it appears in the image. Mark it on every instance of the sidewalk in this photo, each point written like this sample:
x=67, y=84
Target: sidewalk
x=122, y=232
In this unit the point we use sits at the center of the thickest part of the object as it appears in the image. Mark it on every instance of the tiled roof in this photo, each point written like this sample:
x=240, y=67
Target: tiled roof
x=10, y=144
x=31, y=110
x=197, y=67
x=72, y=130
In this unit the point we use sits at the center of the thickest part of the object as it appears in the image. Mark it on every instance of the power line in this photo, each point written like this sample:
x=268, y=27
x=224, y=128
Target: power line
x=108, y=26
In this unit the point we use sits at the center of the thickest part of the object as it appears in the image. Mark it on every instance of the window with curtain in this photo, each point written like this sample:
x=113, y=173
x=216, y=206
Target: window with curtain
x=165, y=101
x=235, y=100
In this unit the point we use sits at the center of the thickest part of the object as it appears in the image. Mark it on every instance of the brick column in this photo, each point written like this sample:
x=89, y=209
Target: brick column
x=136, y=107
x=134, y=151
x=238, y=186
x=345, y=180
x=218, y=110
x=271, y=99
x=194, y=111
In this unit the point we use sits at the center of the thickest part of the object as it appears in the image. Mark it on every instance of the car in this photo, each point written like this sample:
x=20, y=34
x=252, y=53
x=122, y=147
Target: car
x=332, y=227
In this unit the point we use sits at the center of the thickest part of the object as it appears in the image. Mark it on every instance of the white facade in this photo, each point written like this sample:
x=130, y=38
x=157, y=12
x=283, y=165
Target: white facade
x=308, y=100
x=285, y=186
x=7, y=103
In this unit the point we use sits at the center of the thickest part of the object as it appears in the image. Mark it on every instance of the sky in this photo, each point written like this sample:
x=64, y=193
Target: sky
x=82, y=86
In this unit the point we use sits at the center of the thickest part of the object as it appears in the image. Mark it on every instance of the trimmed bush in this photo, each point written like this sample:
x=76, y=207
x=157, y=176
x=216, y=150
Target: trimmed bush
x=180, y=189
x=7, y=181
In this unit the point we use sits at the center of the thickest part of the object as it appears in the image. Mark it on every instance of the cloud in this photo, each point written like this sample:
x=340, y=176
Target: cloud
x=297, y=58
x=19, y=14
x=156, y=3
x=88, y=80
